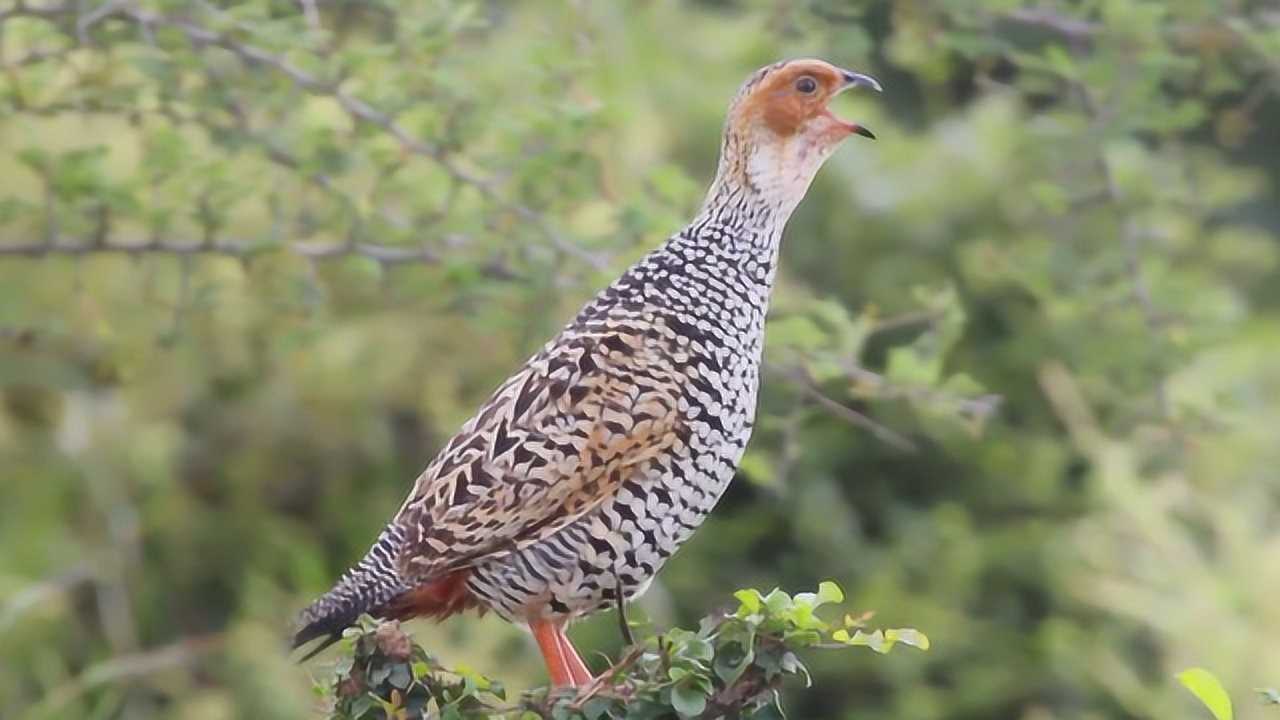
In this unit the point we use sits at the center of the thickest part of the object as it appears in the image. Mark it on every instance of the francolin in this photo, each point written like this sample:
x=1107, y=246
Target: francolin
x=588, y=468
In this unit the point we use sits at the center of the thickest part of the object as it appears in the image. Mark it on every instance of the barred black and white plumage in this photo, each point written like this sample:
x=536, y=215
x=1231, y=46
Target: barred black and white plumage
x=365, y=588
x=587, y=469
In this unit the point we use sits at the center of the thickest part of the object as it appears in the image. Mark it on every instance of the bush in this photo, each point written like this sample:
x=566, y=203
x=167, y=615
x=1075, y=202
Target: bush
x=733, y=666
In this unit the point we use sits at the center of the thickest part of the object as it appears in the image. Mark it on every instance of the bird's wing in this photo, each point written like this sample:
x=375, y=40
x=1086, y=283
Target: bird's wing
x=553, y=443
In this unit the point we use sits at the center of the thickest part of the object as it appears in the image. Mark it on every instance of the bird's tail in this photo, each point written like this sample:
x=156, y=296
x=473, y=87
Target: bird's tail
x=365, y=588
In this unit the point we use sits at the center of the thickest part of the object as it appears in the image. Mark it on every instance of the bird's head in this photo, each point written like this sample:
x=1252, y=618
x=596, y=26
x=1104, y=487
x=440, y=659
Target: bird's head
x=780, y=129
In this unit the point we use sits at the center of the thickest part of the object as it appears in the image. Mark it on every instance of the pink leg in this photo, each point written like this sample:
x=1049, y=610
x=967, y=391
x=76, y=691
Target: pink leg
x=548, y=635
x=577, y=668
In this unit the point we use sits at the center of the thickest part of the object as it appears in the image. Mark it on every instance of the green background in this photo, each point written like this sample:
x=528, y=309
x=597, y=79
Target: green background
x=1022, y=389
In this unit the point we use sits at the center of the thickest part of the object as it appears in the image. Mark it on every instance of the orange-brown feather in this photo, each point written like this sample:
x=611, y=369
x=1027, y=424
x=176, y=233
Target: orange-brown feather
x=781, y=107
x=438, y=599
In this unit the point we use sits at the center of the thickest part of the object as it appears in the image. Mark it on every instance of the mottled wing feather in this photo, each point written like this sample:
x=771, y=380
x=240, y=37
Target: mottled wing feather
x=553, y=443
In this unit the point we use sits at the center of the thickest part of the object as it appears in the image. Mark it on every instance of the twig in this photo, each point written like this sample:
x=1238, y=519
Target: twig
x=1071, y=407
x=126, y=667
x=919, y=317
x=1073, y=29
x=805, y=383
x=605, y=678
x=366, y=113
x=35, y=56
x=979, y=407
x=312, y=13
x=383, y=254
x=44, y=591
x=355, y=107
x=1131, y=240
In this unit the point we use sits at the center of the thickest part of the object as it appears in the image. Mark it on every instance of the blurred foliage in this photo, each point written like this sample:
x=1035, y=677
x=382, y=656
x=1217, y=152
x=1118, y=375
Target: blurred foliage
x=733, y=667
x=259, y=259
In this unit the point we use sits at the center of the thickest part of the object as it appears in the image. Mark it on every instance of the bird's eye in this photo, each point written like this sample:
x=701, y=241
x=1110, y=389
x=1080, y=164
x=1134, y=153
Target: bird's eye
x=807, y=85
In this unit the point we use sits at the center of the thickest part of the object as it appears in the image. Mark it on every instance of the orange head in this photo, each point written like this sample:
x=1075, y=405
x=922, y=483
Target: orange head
x=779, y=129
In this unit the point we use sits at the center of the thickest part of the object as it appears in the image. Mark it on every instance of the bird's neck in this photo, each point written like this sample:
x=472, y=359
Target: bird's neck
x=747, y=208
x=761, y=181
x=729, y=253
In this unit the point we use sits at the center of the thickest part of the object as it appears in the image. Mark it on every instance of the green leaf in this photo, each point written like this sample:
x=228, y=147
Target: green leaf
x=363, y=704
x=733, y=659
x=400, y=677
x=750, y=601
x=698, y=649
x=688, y=700
x=791, y=664
x=907, y=636
x=777, y=602
x=829, y=593
x=1205, y=686
x=597, y=708
x=344, y=664
x=874, y=640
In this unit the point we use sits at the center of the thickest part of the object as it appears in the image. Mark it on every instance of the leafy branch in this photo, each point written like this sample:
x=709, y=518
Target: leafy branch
x=734, y=665
x=316, y=71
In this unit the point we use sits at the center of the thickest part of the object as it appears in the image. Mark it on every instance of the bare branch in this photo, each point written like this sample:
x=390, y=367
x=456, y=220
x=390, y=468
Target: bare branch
x=355, y=107
x=802, y=380
x=127, y=668
x=1073, y=29
x=312, y=14
x=244, y=249
x=978, y=408
x=918, y=317
x=33, y=57
x=366, y=113
x=44, y=591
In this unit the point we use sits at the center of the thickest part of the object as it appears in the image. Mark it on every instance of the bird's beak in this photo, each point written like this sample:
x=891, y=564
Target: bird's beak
x=853, y=79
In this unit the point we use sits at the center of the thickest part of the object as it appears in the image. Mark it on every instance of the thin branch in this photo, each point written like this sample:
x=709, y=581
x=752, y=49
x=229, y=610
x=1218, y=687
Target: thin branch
x=802, y=380
x=34, y=57
x=127, y=668
x=604, y=680
x=355, y=107
x=365, y=113
x=1073, y=29
x=383, y=254
x=918, y=317
x=47, y=590
x=1131, y=241
x=312, y=13
x=978, y=408
x=1070, y=406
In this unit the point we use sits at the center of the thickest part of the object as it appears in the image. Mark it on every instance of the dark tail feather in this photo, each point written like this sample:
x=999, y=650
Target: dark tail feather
x=365, y=588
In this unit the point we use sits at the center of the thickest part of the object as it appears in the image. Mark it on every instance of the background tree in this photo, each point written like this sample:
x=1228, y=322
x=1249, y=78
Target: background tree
x=258, y=259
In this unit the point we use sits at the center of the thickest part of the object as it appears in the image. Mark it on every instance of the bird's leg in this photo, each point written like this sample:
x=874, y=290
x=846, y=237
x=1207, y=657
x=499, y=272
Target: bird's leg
x=577, y=668
x=548, y=636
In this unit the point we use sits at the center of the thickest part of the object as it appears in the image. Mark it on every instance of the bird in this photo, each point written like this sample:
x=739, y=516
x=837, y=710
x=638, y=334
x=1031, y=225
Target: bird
x=586, y=470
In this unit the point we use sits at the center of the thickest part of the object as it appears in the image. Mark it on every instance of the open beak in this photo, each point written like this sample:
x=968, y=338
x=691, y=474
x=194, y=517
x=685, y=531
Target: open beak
x=853, y=79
